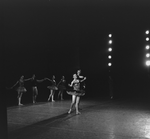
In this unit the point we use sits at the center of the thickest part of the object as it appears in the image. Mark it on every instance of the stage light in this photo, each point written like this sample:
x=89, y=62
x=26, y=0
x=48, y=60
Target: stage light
x=147, y=32
x=109, y=57
x=147, y=47
x=147, y=38
x=148, y=62
x=110, y=42
x=109, y=49
x=147, y=55
x=110, y=35
x=109, y=64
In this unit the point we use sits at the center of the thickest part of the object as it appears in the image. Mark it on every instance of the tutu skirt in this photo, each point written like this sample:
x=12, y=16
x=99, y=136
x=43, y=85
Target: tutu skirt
x=75, y=92
x=52, y=87
x=21, y=89
x=61, y=87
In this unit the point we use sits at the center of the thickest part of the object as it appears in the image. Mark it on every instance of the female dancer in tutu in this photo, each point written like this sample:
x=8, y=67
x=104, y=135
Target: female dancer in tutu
x=52, y=88
x=76, y=93
x=21, y=89
x=61, y=87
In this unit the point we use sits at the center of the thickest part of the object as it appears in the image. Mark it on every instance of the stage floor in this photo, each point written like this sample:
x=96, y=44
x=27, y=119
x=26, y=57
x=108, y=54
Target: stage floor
x=103, y=119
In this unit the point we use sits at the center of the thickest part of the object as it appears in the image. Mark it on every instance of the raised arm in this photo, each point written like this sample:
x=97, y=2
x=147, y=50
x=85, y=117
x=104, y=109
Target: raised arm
x=81, y=76
x=71, y=83
x=28, y=79
x=59, y=83
x=14, y=85
x=83, y=79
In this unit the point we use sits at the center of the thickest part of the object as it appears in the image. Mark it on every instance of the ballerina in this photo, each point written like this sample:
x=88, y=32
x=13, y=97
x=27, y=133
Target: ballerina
x=76, y=93
x=52, y=88
x=21, y=89
x=61, y=87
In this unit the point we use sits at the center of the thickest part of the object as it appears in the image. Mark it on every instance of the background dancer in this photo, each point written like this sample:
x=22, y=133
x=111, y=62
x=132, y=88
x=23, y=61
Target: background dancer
x=83, y=85
x=21, y=89
x=61, y=87
x=76, y=93
x=52, y=88
x=34, y=82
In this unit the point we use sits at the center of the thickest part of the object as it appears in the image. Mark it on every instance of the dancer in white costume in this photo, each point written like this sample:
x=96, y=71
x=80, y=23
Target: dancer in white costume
x=76, y=93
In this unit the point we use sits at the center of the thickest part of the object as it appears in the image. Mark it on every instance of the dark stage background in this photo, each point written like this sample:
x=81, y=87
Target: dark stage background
x=52, y=37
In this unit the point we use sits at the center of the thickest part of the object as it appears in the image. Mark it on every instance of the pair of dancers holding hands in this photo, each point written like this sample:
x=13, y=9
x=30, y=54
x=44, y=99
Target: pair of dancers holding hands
x=21, y=89
x=77, y=91
x=61, y=87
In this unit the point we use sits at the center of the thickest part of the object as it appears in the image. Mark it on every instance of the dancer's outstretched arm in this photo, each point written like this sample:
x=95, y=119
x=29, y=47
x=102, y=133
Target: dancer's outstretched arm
x=83, y=79
x=27, y=79
x=14, y=85
x=59, y=83
x=41, y=80
x=48, y=79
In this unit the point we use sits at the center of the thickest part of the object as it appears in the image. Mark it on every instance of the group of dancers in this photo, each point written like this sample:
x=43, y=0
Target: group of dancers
x=76, y=89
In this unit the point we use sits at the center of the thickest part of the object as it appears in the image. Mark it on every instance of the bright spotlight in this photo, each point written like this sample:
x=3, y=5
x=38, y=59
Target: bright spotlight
x=147, y=32
x=109, y=49
x=147, y=55
x=110, y=42
x=147, y=47
x=109, y=64
x=109, y=57
x=110, y=35
x=148, y=63
x=147, y=38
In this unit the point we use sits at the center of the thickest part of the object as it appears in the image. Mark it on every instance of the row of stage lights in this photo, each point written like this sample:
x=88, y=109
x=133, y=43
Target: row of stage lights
x=147, y=47
x=110, y=50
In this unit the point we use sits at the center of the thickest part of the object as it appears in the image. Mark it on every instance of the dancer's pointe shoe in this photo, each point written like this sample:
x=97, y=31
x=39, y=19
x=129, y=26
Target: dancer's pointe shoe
x=20, y=104
x=53, y=100
x=77, y=113
x=69, y=111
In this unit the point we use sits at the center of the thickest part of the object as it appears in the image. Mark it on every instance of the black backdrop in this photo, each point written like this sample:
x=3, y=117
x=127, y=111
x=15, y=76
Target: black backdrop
x=49, y=37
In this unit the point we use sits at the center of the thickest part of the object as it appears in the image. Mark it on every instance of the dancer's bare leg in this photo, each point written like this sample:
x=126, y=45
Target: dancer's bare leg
x=19, y=98
x=59, y=94
x=72, y=103
x=53, y=92
x=62, y=95
x=50, y=95
x=35, y=93
x=77, y=105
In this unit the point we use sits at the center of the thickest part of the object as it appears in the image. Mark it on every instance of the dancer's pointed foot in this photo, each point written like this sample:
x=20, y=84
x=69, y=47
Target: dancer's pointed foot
x=77, y=113
x=20, y=104
x=69, y=111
